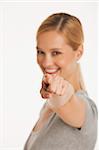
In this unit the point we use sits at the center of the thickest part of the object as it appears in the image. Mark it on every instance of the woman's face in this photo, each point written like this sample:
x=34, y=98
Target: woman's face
x=54, y=56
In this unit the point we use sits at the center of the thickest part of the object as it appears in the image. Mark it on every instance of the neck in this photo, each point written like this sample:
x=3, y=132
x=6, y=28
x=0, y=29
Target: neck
x=74, y=79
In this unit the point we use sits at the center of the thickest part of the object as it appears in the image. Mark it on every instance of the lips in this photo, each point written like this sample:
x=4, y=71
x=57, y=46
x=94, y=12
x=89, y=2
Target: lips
x=51, y=71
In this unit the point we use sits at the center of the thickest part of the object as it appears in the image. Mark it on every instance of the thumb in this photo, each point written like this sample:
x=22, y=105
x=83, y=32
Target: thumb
x=48, y=77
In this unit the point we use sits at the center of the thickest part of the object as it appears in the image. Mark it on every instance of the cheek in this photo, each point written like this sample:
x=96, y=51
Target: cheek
x=39, y=60
x=64, y=62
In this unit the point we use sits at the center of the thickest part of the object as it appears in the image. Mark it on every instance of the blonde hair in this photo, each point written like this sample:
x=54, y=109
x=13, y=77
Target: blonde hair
x=71, y=28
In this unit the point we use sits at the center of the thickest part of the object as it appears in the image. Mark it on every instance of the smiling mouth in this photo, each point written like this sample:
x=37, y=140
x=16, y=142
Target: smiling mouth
x=51, y=71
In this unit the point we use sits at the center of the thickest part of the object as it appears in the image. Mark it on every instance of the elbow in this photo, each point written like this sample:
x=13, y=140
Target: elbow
x=76, y=123
x=79, y=124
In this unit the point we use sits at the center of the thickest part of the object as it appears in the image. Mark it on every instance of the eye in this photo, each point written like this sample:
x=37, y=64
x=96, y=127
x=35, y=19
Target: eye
x=56, y=53
x=39, y=52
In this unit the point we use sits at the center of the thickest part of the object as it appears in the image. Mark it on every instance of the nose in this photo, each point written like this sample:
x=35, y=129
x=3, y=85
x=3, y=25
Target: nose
x=47, y=61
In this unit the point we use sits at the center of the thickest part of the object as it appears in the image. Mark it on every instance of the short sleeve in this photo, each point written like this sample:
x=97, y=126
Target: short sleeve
x=91, y=118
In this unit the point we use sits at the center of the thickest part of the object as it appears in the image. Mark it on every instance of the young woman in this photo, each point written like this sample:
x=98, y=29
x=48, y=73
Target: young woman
x=68, y=119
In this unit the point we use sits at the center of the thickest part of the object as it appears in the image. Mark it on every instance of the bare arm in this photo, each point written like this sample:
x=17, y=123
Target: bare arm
x=73, y=112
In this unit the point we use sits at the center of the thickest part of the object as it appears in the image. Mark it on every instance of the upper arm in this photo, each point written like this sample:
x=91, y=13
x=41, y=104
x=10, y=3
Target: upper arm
x=73, y=112
x=85, y=113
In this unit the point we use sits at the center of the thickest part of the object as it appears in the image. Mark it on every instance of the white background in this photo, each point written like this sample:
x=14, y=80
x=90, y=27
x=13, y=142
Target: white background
x=20, y=76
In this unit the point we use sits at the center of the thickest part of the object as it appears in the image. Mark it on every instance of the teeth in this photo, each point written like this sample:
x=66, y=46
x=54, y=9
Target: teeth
x=51, y=70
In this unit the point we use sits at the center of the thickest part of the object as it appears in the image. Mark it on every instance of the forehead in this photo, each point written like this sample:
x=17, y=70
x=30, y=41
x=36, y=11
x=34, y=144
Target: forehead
x=51, y=39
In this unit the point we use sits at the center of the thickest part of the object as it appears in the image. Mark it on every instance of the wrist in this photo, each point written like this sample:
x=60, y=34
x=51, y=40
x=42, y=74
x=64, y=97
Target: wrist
x=58, y=101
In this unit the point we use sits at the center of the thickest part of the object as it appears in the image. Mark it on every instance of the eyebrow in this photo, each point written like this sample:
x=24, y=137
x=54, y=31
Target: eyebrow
x=52, y=49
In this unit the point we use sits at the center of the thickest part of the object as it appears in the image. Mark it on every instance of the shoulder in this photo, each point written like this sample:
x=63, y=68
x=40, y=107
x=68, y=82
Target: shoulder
x=91, y=110
x=90, y=103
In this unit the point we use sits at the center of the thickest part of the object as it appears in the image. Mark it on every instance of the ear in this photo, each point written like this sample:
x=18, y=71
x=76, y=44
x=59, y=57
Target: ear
x=79, y=52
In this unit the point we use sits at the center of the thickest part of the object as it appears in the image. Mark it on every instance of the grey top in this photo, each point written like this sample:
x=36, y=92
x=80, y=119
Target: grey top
x=57, y=135
x=31, y=140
